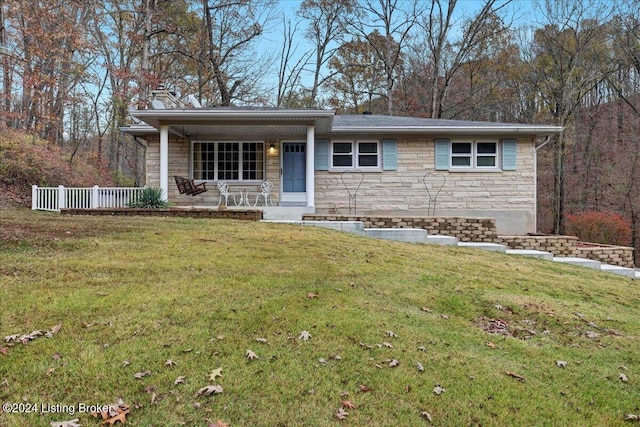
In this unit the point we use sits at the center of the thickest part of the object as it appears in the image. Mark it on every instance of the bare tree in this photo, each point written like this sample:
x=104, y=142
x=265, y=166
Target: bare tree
x=290, y=68
x=394, y=20
x=232, y=28
x=327, y=22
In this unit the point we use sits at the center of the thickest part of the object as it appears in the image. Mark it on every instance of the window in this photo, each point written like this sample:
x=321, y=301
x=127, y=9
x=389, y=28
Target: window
x=358, y=154
x=228, y=161
x=474, y=154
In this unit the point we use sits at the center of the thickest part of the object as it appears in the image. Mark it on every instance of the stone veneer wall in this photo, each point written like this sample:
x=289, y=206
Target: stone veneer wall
x=465, y=229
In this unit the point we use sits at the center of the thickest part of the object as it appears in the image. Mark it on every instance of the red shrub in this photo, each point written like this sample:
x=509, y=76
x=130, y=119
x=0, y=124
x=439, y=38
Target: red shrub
x=600, y=227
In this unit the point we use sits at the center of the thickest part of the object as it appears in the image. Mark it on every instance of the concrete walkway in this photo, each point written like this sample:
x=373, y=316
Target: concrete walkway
x=418, y=235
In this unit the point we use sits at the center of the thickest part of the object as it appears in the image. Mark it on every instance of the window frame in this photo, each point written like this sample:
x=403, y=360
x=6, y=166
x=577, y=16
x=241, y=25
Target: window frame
x=355, y=155
x=242, y=153
x=474, y=155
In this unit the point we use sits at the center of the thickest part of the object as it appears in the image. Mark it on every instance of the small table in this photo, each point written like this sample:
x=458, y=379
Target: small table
x=244, y=197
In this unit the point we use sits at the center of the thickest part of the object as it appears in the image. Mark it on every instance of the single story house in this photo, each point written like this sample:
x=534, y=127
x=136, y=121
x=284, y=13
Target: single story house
x=399, y=164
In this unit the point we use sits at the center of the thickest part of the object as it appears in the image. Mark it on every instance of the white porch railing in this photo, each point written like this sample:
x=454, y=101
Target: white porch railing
x=56, y=198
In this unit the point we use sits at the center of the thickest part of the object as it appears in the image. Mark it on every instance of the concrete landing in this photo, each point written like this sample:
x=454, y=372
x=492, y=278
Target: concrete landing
x=406, y=235
x=582, y=262
x=637, y=274
x=547, y=256
x=435, y=239
x=491, y=247
x=621, y=271
x=356, y=227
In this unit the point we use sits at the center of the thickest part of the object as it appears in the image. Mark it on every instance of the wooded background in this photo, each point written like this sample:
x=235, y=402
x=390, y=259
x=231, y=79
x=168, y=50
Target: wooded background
x=71, y=69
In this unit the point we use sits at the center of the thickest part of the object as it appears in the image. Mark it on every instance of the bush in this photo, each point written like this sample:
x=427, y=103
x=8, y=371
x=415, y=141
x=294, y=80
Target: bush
x=150, y=198
x=600, y=227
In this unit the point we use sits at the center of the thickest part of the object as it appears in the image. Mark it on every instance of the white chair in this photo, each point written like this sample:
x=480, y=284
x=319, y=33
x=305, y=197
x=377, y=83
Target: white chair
x=223, y=188
x=266, y=193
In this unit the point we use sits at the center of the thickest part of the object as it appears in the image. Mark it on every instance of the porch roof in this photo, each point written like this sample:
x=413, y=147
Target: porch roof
x=282, y=123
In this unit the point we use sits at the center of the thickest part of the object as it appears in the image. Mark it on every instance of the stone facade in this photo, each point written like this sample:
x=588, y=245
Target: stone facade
x=507, y=196
x=564, y=246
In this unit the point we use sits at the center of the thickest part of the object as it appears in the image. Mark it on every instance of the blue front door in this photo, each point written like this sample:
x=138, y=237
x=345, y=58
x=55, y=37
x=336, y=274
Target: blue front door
x=294, y=167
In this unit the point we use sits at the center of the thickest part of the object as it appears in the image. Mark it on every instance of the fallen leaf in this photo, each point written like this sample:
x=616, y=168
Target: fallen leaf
x=170, y=362
x=262, y=340
x=561, y=363
x=425, y=414
x=391, y=334
x=632, y=417
x=336, y=357
x=427, y=309
x=250, y=355
x=311, y=295
x=419, y=366
x=491, y=345
x=591, y=334
x=219, y=423
x=444, y=316
x=70, y=423
x=422, y=348
x=4, y=350
x=364, y=389
x=623, y=377
x=388, y=345
x=348, y=404
x=341, y=414
x=438, y=390
x=141, y=374
x=515, y=375
x=122, y=417
x=393, y=363
x=215, y=374
x=322, y=361
x=209, y=390
x=125, y=363
x=56, y=329
x=304, y=336
x=179, y=380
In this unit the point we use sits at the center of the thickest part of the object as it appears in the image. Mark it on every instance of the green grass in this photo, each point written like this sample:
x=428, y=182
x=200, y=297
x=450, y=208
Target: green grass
x=199, y=292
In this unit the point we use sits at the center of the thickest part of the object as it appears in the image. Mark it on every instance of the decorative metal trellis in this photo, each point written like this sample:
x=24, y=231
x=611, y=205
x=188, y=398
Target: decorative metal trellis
x=352, y=180
x=437, y=182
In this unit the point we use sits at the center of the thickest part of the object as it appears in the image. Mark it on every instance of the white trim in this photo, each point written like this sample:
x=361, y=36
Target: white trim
x=354, y=155
x=310, y=172
x=164, y=160
x=473, y=156
x=216, y=149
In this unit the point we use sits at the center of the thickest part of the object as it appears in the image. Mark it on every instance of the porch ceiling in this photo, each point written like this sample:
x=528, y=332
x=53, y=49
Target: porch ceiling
x=237, y=123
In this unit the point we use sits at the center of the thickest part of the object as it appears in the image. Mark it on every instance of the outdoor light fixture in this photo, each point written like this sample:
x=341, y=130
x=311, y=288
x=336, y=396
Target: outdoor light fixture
x=272, y=148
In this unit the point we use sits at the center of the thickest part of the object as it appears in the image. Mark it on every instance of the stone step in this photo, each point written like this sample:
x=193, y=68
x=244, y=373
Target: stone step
x=491, y=247
x=356, y=227
x=548, y=256
x=582, y=262
x=406, y=235
x=616, y=269
x=436, y=239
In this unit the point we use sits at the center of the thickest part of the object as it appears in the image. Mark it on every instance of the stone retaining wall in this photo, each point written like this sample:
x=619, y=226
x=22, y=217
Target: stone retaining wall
x=558, y=245
x=484, y=230
x=613, y=255
x=465, y=229
x=248, y=215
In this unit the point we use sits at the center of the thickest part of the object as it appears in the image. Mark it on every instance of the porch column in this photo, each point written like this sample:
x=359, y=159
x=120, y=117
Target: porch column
x=310, y=178
x=164, y=160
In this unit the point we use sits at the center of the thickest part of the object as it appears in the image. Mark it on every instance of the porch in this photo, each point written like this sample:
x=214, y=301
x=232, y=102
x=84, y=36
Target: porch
x=115, y=201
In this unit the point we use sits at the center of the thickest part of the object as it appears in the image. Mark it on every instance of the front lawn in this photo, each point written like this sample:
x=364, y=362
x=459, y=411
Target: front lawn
x=219, y=322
